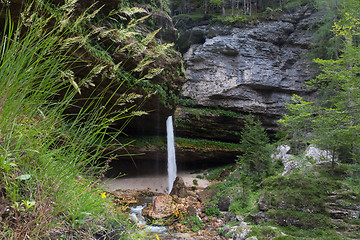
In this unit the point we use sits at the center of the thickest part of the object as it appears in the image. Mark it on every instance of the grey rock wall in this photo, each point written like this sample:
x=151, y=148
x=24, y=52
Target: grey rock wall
x=249, y=69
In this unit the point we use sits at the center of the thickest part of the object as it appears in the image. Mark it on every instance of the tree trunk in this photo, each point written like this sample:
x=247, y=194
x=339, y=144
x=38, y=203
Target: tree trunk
x=244, y=7
x=232, y=7
x=250, y=7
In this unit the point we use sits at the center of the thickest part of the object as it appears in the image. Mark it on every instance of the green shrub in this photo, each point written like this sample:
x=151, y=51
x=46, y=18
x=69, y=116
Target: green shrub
x=213, y=211
x=194, y=223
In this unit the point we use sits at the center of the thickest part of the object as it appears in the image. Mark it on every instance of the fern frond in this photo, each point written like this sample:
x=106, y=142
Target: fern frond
x=119, y=50
x=140, y=67
x=97, y=69
x=131, y=11
x=150, y=37
x=70, y=41
x=152, y=73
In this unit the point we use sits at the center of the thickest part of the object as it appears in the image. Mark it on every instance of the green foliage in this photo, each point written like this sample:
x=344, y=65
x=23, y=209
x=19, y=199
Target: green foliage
x=194, y=223
x=256, y=161
x=295, y=233
x=332, y=120
x=205, y=145
x=297, y=192
x=48, y=159
x=217, y=173
x=231, y=20
x=264, y=232
x=213, y=211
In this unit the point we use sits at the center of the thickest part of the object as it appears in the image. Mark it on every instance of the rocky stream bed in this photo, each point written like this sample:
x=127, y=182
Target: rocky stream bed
x=187, y=200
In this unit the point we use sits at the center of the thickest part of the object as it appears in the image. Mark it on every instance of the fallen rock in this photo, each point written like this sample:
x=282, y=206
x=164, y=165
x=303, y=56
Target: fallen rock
x=224, y=203
x=179, y=188
x=237, y=232
x=161, y=207
x=207, y=194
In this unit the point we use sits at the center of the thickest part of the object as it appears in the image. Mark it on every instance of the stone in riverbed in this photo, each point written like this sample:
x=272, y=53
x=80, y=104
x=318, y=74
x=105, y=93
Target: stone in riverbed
x=161, y=207
x=179, y=188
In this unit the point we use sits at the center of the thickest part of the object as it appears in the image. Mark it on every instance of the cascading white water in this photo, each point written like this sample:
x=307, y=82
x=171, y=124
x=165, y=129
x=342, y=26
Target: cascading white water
x=171, y=153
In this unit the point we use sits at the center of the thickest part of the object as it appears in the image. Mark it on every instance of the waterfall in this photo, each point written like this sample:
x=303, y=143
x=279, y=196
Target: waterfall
x=171, y=153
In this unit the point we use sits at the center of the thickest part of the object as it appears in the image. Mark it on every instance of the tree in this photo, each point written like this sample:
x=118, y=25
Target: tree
x=332, y=121
x=256, y=160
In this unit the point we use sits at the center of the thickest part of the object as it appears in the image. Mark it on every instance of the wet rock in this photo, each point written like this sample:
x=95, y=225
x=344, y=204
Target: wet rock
x=179, y=188
x=161, y=207
x=207, y=194
x=168, y=32
x=232, y=217
x=224, y=203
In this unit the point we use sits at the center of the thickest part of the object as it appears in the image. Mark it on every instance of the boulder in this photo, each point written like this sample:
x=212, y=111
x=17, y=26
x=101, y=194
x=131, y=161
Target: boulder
x=289, y=161
x=161, y=207
x=264, y=203
x=317, y=154
x=207, y=195
x=224, y=203
x=179, y=188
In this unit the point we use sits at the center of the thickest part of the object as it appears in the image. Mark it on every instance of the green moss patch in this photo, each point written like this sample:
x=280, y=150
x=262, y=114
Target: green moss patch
x=206, y=145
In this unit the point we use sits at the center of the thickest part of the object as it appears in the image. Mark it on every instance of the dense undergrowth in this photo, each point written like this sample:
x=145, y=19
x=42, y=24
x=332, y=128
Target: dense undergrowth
x=49, y=160
x=316, y=200
x=294, y=206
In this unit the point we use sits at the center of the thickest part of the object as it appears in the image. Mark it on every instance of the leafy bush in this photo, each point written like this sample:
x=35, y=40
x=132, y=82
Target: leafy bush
x=194, y=223
x=212, y=211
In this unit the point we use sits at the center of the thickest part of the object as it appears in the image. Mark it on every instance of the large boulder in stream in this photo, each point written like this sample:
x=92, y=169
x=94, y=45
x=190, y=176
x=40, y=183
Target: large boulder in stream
x=161, y=207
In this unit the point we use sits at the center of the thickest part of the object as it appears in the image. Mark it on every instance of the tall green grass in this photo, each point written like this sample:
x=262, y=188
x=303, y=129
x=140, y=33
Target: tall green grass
x=48, y=159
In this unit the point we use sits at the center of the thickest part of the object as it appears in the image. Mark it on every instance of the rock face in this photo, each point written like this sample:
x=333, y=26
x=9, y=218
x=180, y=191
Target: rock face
x=313, y=156
x=247, y=69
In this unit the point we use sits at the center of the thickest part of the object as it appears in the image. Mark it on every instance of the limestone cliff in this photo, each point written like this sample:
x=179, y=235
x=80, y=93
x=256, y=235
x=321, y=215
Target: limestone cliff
x=242, y=69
